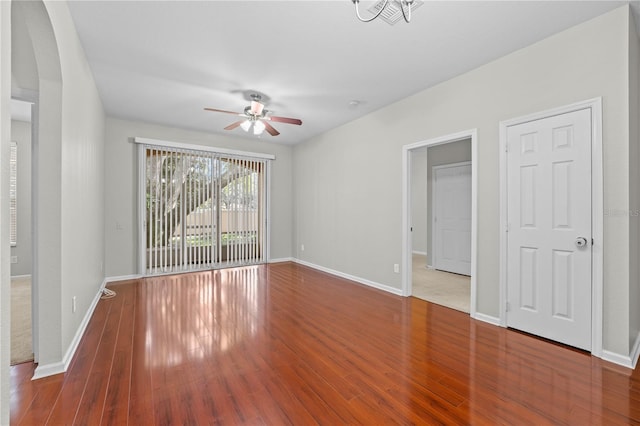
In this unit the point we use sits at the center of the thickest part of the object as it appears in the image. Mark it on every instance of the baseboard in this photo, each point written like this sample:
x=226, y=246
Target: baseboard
x=62, y=366
x=615, y=358
x=281, y=260
x=48, y=370
x=19, y=277
x=635, y=352
x=359, y=280
x=486, y=318
x=623, y=360
x=109, y=280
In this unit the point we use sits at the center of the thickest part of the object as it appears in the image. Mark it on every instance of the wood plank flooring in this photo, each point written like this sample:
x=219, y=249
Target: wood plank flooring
x=285, y=344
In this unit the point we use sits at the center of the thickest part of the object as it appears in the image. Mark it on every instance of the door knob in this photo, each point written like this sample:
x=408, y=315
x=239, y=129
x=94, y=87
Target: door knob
x=581, y=241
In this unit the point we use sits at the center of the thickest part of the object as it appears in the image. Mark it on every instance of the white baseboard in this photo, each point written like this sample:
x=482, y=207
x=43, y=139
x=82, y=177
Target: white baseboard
x=359, y=280
x=121, y=278
x=486, y=318
x=281, y=260
x=635, y=352
x=62, y=366
x=48, y=370
x=615, y=358
x=629, y=361
x=20, y=277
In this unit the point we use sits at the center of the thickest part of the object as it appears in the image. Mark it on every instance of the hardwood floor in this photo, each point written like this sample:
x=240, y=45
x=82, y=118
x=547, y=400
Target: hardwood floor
x=285, y=344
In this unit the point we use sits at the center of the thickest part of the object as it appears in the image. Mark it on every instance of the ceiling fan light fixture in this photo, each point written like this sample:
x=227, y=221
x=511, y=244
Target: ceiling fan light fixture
x=258, y=127
x=246, y=125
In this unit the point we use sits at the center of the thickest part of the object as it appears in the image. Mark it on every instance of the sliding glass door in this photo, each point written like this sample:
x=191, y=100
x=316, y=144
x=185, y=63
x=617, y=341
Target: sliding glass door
x=202, y=210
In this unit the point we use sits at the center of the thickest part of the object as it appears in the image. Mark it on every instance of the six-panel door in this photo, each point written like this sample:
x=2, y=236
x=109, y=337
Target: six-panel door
x=549, y=228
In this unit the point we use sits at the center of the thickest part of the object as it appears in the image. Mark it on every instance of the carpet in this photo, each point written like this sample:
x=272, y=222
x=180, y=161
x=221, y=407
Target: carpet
x=21, y=341
x=442, y=288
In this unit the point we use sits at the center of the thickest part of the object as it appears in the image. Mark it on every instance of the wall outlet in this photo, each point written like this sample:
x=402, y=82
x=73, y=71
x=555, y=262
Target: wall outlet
x=14, y=259
x=396, y=268
x=301, y=247
x=73, y=305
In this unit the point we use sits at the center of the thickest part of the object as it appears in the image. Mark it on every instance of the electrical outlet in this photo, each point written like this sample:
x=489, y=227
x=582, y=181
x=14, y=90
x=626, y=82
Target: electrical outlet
x=301, y=247
x=73, y=305
x=396, y=268
x=14, y=259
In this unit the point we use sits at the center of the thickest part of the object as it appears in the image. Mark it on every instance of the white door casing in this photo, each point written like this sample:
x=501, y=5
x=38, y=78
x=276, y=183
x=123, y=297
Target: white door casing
x=451, y=204
x=549, y=209
x=471, y=134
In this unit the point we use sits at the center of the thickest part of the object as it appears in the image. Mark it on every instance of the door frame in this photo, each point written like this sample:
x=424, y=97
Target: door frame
x=597, y=211
x=434, y=255
x=406, y=207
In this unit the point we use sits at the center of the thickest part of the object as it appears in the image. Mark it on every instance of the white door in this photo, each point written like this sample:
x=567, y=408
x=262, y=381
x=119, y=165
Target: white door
x=452, y=218
x=549, y=228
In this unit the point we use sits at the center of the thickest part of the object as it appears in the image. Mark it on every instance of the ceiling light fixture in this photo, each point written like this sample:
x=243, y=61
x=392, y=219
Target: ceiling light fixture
x=258, y=127
x=382, y=5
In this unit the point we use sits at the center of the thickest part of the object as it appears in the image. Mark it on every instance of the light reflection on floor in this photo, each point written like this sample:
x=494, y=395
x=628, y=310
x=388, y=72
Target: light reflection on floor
x=201, y=314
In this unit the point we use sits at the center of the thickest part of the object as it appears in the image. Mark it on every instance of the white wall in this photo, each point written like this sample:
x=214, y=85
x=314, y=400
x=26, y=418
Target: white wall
x=634, y=183
x=68, y=180
x=344, y=175
x=21, y=134
x=82, y=175
x=121, y=182
x=5, y=265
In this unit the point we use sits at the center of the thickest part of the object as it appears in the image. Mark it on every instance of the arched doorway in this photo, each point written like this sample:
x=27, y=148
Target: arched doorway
x=36, y=67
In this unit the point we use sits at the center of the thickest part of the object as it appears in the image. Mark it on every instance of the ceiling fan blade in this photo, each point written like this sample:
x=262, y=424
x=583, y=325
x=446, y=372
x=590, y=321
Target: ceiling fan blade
x=284, y=120
x=221, y=110
x=234, y=125
x=269, y=128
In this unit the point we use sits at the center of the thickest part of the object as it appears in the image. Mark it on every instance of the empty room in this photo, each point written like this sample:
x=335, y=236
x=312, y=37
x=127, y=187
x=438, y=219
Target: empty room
x=319, y=212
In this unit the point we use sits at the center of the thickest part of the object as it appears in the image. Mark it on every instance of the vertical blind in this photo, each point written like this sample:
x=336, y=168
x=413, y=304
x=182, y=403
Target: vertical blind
x=203, y=210
x=13, y=194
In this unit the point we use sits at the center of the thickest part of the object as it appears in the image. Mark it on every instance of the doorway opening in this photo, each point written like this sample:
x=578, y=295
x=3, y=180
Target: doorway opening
x=439, y=220
x=20, y=233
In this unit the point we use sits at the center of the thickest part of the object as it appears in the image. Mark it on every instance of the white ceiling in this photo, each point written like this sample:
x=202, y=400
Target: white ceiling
x=164, y=61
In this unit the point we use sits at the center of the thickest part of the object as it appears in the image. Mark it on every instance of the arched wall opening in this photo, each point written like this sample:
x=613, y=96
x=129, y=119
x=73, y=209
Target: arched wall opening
x=32, y=26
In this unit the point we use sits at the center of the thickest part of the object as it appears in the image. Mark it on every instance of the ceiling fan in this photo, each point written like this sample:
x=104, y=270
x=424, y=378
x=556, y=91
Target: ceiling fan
x=256, y=117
